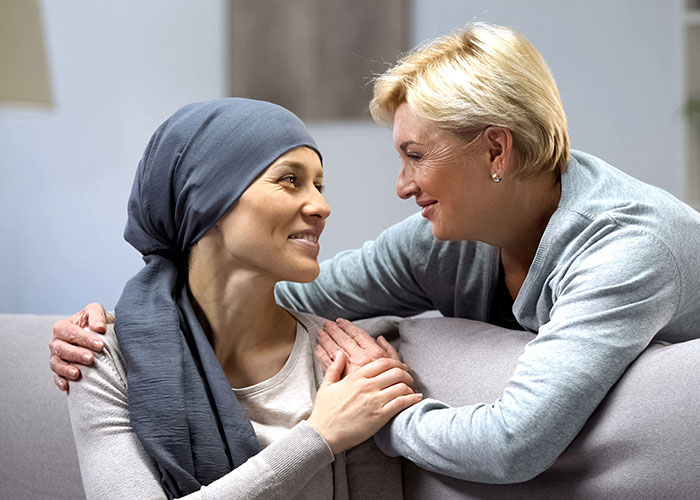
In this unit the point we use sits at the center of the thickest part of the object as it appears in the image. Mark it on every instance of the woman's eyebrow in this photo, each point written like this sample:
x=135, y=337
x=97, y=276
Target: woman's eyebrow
x=294, y=165
x=297, y=167
x=404, y=145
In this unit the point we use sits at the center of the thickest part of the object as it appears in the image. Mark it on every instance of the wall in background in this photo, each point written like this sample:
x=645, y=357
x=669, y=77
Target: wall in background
x=120, y=68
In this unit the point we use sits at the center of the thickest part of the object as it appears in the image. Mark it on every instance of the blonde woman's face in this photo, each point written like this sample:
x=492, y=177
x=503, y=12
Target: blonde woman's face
x=274, y=227
x=450, y=181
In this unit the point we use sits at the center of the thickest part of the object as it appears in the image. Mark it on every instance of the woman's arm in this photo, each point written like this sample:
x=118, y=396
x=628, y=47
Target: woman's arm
x=607, y=308
x=405, y=271
x=377, y=279
x=113, y=464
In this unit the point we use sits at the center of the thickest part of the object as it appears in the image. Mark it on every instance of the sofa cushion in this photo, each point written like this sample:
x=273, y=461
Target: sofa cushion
x=37, y=454
x=642, y=441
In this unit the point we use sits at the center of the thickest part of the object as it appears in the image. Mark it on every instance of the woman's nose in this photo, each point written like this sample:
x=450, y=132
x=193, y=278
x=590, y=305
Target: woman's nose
x=316, y=205
x=405, y=185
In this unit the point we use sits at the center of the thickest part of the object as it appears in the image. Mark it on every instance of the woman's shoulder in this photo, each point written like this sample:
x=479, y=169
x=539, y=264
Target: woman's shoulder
x=110, y=364
x=110, y=338
x=112, y=344
x=103, y=383
x=593, y=187
x=598, y=199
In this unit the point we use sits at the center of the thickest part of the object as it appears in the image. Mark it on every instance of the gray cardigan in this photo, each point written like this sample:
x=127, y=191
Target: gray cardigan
x=618, y=265
x=113, y=464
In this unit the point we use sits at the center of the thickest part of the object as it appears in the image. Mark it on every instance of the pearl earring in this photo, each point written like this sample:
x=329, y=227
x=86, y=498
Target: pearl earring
x=496, y=178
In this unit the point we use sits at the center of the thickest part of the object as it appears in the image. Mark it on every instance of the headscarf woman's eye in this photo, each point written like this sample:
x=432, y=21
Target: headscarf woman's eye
x=291, y=179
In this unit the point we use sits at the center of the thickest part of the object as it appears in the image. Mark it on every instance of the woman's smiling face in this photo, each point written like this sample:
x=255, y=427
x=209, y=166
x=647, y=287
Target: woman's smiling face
x=449, y=178
x=274, y=227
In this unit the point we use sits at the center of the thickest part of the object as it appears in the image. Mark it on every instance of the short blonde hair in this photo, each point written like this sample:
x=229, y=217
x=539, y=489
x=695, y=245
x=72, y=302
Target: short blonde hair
x=480, y=76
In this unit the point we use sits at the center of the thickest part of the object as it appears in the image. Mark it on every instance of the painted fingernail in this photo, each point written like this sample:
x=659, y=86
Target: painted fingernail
x=87, y=358
x=74, y=373
x=61, y=384
x=97, y=344
x=419, y=394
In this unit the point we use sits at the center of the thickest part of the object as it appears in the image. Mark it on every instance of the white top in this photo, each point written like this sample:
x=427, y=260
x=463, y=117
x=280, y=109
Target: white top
x=279, y=403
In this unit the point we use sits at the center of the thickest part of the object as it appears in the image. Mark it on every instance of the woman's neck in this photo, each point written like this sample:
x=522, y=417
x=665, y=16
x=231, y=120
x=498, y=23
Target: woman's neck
x=251, y=335
x=524, y=215
x=531, y=205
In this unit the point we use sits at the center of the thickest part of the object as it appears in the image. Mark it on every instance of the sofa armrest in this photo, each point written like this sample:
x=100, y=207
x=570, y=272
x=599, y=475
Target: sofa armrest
x=642, y=441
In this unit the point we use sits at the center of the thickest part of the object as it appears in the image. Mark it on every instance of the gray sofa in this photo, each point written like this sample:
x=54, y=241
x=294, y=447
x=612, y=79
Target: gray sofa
x=643, y=442
x=37, y=455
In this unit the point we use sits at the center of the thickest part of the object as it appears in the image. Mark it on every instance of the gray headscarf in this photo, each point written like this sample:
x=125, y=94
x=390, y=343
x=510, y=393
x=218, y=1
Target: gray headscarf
x=195, y=167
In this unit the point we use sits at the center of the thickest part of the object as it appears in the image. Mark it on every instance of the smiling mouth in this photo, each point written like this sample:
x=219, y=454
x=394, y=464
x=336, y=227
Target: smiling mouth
x=307, y=242
x=304, y=236
x=426, y=207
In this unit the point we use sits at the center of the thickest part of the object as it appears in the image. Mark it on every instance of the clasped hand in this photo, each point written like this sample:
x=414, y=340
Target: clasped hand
x=359, y=347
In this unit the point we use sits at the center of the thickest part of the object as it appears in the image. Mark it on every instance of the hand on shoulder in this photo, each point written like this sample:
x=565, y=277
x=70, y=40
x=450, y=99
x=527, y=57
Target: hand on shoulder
x=73, y=341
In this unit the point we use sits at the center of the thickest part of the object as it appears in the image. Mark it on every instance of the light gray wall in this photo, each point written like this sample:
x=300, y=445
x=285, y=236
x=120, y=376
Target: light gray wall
x=120, y=67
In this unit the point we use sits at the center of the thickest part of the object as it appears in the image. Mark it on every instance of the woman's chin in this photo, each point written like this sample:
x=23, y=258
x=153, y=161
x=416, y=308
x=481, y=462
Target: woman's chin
x=438, y=232
x=304, y=275
x=451, y=233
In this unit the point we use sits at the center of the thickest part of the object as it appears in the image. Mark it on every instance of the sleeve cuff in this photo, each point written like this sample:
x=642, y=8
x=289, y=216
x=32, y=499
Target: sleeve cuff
x=300, y=453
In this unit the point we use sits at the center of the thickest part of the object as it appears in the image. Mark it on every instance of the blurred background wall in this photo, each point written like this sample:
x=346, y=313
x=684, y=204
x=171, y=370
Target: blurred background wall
x=117, y=69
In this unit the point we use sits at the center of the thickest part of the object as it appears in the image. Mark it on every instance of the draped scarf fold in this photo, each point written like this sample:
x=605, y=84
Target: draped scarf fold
x=195, y=167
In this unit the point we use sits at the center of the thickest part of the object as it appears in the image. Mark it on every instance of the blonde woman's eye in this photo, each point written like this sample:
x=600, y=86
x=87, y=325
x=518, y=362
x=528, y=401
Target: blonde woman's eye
x=320, y=187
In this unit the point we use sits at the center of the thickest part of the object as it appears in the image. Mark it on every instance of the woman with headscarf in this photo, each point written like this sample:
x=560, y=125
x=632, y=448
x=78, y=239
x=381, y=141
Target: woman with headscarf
x=226, y=202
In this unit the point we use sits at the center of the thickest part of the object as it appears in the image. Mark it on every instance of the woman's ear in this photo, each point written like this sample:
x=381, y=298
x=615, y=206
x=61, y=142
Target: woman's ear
x=499, y=142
